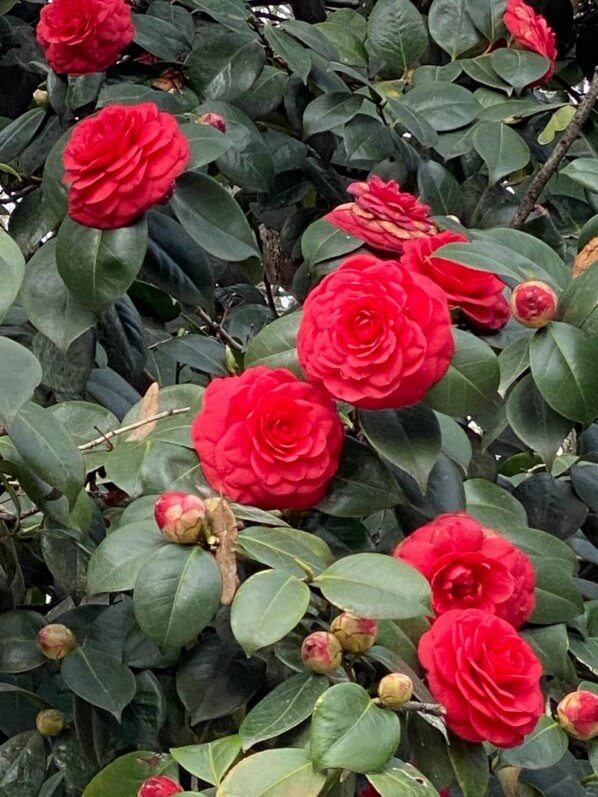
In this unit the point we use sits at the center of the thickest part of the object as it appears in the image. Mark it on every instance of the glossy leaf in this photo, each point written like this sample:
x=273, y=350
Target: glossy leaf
x=26, y=374
x=283, y=771
x=396, y=36
x=296, y=552
x=12, y=265
x=210, y=761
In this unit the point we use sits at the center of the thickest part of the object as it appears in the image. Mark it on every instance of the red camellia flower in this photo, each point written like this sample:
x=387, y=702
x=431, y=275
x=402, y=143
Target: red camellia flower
x=578, y=714
x=267, y=439
x=321, y=652
x=159, y=786
x=382, y=215
x=83, y=36
x=121, y=162
x=534, y=304
x=531, y=31
x=479, y=294
x=470, y=566
x=374, y=334
x=485, y=675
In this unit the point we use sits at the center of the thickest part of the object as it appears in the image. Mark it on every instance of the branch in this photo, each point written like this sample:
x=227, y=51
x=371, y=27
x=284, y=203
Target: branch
x=124, y=429
x=219, y=329
x=426, y=708
x=573, y=129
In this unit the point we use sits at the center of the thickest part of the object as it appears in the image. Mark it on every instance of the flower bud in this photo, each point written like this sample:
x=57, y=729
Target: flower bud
x=534, y=304
x=41, y=98
x=213, y=120
x=181, y=517
x=578, y=714
x=159, y=786
x=56, y=641
x=49, y=722
x=321, y=652
x=356, y=634
x=395, y=689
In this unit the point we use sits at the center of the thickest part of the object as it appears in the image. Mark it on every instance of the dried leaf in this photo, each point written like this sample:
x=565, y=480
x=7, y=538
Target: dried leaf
x=150, y=406
x=224, y=527
x=587, y=256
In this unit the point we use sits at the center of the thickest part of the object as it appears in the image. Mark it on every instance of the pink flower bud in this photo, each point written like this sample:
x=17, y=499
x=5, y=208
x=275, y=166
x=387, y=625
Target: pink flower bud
x=181, y=517
x=49, y=722
x=395, y=689
x=160, y=786
x=56, y=641
x=213, y=120
x=534, y=304
x=321, y=652
x=578, y=714
x=356, y=634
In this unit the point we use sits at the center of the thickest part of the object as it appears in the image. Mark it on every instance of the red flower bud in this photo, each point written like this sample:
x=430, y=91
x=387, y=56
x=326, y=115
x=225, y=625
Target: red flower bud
x=534, y=304
x=395, y=689
x=160, y=786
x=213, y=120
x=49, y=722
x=181, y=517
x=578, y=714
x=56, y=641
x=321, y=652
x=356, y=634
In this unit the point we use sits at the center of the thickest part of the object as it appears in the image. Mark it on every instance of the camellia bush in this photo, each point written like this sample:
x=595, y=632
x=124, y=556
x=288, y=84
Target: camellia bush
x=298, y=398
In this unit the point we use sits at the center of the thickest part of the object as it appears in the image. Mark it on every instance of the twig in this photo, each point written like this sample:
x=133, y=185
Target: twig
x=219, y=329
x=105, y=438
x=538, y=184
x=18, y=194
x=426, y=708
x=269, y=294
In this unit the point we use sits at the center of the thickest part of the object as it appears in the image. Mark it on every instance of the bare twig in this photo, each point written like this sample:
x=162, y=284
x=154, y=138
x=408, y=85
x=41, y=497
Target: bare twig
x=18, y=194
x=219, y=330
x=105, y=438
x=538, y=184
x=426, y=708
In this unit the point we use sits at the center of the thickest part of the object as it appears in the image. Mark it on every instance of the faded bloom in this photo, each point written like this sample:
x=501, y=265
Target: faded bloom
x=395, y=689
x=56, y=641
x=159, y=786
x=213, y=120
x=531, y=31
x=181, y=517
x=356, y=634
x=49, y=722
x=321, y=652
x=534, y=304
x=578, y=714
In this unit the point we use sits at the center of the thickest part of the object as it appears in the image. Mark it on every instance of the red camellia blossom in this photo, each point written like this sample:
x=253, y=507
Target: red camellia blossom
x=531, y=31
x=159, y=786
x=578, y=714
x=122, y=161
x=267, y=439
x=485, y=675
x=83, y=36
x=382, y=215
x=374, y=334
x=534, y=304
x=181, y=517
x=479, y=294
x=321, y=652
x=470, y=566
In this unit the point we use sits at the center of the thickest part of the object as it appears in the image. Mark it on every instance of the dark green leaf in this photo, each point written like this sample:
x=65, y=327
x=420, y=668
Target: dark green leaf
x=126, y=774
x=493, y=505
x=322, y=241
x=329, y=111
x=293, y=53
x=584, y=171
x=297, y=552
x=211, y=761
x=12, y=265
x=439, y=189
x=160, y=37
x=207, y=144
x=22, y=765
x=99, y=677
x=401, y=780
x=519, y=68
x=444, y=106
x=501, y=148
x=18, y=134
x=470, y=764
x=239, y=75
x=283, y=771
x=197, y=351
x=19, y=650
x=396, y=36
x=274, y=346
x=452, y=28
x=543, y=747
x=25, y=375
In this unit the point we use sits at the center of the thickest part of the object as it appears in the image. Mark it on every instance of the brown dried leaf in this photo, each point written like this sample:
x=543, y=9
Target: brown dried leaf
x=150, y=406
x=223, y=526
x=587, y=256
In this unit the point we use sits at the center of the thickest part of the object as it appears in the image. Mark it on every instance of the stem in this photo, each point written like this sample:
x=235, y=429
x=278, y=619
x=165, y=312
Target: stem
x=573, y=129
x=269, y=294
x=18, y=194
x=105, y=438
x=426, y=708
x=219, y=329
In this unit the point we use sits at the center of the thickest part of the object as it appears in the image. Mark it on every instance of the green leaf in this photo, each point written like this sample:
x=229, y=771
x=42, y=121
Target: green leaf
x=438, y=188
x=396, y=36
x=297, y=552
x=452, y=28
x=12, y=266
x=413, y=121
x=513, y=361
x=501, y=148
x=25, y=375
x=323, y=241
x=160, y=37
x=349, y=731
x=45, y=446
x=22, y=765
x=213, y=218
x=207, y=144
x=409, y=438
x=557, y=598
x=583, y=171
x=362, y=484
x=534, y=422
x=472, y=379
x=293, y=53
x=275, y=345
x=266, y=608
x=454, y=441
x=374, y=585
x=444, y=105
x=542, y=748
x=19, y=133
x=367, y=140
x=239, y=74
x=19, y=651
x=285, y=707
x=562, y=360
x=51, y=307
x=470, y=764
x=211, y=761
x=487, y=16
x=579, y=303
x=177, y=593
x=125, y=775
x=480, y=69
x=401, y=780
x=329, y=111
x=116, y=562
x=99, y=677
x=493, y=506
x=98, y=266
x=197, y=351
x=519, y=68
x=272, y=773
